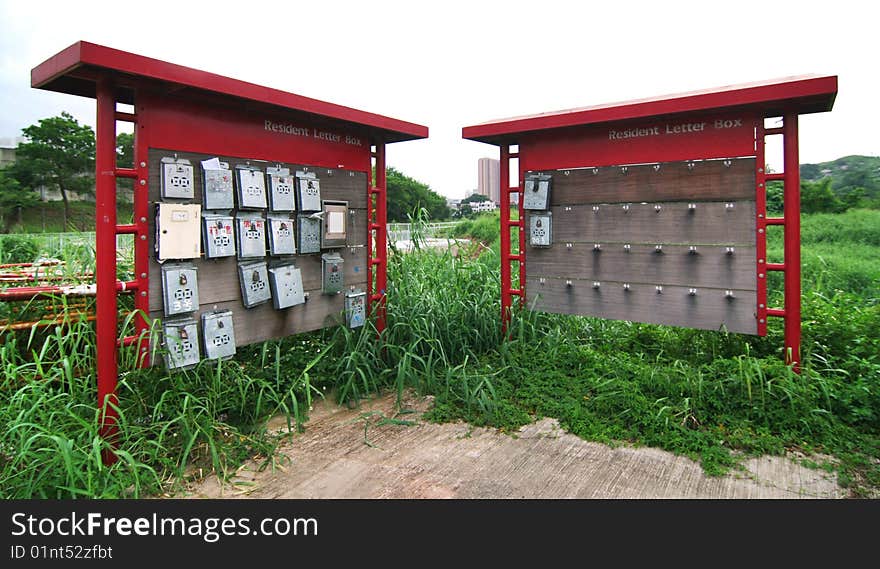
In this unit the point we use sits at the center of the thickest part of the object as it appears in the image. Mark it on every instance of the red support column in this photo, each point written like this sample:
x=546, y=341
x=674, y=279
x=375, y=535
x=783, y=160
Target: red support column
x=504, y=174
x=521, y=214
x=105, y=259
x=792, y=213
x=761, y=226
x=381, y=237
x=141, y=241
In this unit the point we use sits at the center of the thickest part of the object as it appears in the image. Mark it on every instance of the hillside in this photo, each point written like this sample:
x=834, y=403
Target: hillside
x=847, y=173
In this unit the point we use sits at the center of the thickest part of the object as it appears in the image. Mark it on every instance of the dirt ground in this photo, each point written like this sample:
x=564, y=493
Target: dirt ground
x=358, y=453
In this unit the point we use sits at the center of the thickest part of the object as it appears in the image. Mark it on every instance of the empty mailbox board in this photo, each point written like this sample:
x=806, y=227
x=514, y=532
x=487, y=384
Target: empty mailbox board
x=180, y=289
x=181, y=343
x=251, y=187
x=281, y=239
x=281, y=184
x=177, y=179
x=286, y=285
x=254, y=280
x=217, y=190
x=309, y=230
x=219, y=235
x=218, y=334
x=251, y=235
x=308, y=191
x=178, y=229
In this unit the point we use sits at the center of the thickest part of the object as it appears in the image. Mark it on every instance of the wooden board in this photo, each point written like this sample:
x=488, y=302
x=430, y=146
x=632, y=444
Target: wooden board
x=709, y=223
x=709, y=309
x=706, y=180
x=711, y=266
x=643, y=206
x=219, y=286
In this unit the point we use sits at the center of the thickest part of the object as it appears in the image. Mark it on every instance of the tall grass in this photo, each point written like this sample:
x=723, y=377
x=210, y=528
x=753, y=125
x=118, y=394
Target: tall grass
x=712, y=396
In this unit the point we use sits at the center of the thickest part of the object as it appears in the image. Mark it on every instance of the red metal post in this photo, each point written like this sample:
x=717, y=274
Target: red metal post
x=521, y=214
x=761, y=226
x=141, y=241
x=792, y=213
x=504, y=174
x=381, y=236
x=105, y=259
x=371, y=193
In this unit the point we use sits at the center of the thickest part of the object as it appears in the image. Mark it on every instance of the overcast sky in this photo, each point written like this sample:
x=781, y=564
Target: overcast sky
x=451, y=64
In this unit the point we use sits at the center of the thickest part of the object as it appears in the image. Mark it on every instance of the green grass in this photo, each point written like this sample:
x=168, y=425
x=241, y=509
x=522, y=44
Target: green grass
x=48, y=217
x=711, y=396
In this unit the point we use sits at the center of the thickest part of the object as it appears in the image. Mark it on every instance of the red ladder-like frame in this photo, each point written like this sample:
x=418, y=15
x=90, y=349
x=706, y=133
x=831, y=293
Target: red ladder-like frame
x=508, y=256
x=791, y=222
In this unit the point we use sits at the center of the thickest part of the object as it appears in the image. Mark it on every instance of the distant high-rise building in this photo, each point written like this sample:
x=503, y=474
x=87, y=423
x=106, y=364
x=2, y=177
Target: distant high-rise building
x=489, y=179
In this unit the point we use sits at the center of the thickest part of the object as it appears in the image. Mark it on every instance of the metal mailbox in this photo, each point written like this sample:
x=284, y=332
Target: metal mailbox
x=181, y=343
x=219, y=334
x=286, y=284
x=180, y=289
x=254, y=279
x=251, y=187
x=217, y=192
x=281, y=236
x=177, y=179
x=219, y=235
x=281, y=197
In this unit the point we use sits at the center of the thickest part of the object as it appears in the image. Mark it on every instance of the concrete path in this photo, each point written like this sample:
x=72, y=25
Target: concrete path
x=335, y=458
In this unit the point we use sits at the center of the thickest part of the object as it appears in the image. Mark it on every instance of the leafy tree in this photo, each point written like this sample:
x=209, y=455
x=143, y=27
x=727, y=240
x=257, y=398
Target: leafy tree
x=13, y=199
x=818, y=197
x=475, y=198
x=406, y=195
x=60, y=155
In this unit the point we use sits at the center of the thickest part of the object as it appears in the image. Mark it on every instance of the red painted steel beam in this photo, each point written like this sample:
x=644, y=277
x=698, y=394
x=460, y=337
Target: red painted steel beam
x=105, y=260
x=126, y=117
x=791, y=198
x=775, y=221
x=778, y=312
x=381, y=237
x=760, y=226
x=141, y=244
x=506, y=300
x=776, y=177
x=776, y=266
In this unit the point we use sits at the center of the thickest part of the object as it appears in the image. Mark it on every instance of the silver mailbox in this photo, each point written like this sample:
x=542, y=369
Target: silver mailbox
x=281, y=183
x=251, y=187
x=254, y=280
x=536, y=192
x=332, y=275
x=218, y=334
x=217, y=190
x=541, y=229
x=281, y=238
x=181, y=343
x=309, y=234
x=250, y=232
x=308, y=189
x=177, y=178
x=355, y=308
x=286, y=285
x=180, y=289
x=219, y=235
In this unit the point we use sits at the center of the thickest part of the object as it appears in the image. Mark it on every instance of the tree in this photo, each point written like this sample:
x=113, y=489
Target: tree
x=406, y=195
x=125, y=159
x=59, y=155
x=13, y=198
x=818, y=197
x=475, y=198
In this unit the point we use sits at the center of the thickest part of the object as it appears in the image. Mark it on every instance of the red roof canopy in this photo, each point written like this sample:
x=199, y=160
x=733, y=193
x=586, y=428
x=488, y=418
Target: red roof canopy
x=76, y=69
x=802, y=94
